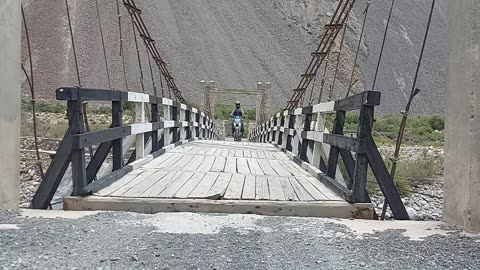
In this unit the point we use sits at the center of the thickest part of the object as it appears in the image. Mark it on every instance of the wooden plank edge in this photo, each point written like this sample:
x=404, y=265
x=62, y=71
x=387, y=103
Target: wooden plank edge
x=336, y=209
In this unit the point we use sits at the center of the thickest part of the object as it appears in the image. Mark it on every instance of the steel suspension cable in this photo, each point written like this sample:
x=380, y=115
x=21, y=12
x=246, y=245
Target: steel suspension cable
x=138, y=53
x=383, y=45
x=103, y=44
x=122, y=54
x=413, y=93
x=30, y=80
x=151, y=73
x=84, y=105
x=161, y=82
x=340, y=50
x=324, y=78
x=73, y=44
x=350, y=84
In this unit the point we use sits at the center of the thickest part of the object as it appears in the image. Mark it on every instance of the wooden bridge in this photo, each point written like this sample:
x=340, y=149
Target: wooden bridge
x=178, y=163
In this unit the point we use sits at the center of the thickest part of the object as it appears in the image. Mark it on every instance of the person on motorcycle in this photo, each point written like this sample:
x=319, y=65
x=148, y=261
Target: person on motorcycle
x=237, y=112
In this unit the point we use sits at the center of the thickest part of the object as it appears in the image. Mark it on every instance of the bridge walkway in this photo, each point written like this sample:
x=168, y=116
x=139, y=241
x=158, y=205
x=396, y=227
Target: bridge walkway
x=220, y=177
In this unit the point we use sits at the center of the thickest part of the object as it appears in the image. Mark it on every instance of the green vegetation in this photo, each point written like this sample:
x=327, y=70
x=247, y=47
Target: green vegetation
x=420, y=130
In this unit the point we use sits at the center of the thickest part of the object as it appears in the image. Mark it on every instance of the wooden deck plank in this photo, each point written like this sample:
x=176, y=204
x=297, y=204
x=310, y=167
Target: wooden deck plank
x=145, y=185
x=323, y=189
x=270, y=208
x=158, y=160
x=231, y=165
x=253, y=154
x=171, y=161
x=224, y=152
x=249, y=188
x=211, y=151
x=121, y=182
x=201, y=190
x=160, y=185
x=235, y=188
x=219, y=164
x=146, y=180
x=242, y=166
x=219, y=188
x=190, y=185
x=279, y=168
x=247, y=153
x=266, y=167
x=196, y=161
x=239, y=153
x=261, y=188
x=301, y=193
x=231, y=152
x=275, y=188
x=288, y=191
x=175, y=185
x=311, y=189
x=207, y=164
x=254, y=167
x=293, y=168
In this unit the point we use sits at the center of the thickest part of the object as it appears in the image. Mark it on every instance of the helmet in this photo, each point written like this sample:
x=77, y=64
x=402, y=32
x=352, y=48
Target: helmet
x=237, y=102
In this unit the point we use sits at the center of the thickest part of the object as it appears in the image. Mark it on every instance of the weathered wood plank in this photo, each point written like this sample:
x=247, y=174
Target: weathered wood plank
x=322, y=188
x=247, y=153
x=254, y=167
x=224, y=152
x=201, y=190
x=219, y=164
x=266, y=167
x=147, y=182
x=159, y=160
x=311, y=189
x=181, y=163
x=293, y=168
x=301, y=193
x=206, y=164
x=235, y=188
x=160, y=185
x=219, y=188
x=275, y=188
x=282, y=171
x=238, y=153
x=288, y=191
x=261, y=188
x=231, y=165
x=249, y=188
x=242, y=166
x=270, y=208
x=175, y=185
x=122, y=181
x=195, y=163
x=186, y=189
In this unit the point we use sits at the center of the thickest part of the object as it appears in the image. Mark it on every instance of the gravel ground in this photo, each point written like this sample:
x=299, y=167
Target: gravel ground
x=195, y=241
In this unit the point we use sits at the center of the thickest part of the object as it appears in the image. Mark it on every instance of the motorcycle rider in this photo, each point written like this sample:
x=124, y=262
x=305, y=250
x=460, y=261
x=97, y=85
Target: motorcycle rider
x=238, y=111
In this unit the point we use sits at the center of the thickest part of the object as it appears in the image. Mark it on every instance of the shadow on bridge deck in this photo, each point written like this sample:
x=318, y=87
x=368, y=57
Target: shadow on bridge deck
x=221, y=177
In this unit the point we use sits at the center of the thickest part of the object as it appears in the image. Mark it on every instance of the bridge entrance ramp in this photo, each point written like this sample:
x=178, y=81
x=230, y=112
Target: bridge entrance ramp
x=221, y=177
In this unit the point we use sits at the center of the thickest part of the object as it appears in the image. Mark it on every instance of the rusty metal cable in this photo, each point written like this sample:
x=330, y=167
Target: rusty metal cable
x=103, y=44
x=332, y=29
x=383, y=45
x=138, y=53
x=73, y=44
x=413, y=93
x=149, y=42
x=350, y=84
x=84, y=105
x=340, y=50
x=151, y=74
x=161, y=82
x=30, y=80
x=122, y=53
x=324, y=78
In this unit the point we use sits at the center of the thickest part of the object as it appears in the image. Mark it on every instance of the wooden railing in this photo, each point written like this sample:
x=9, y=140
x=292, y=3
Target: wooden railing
x=150, y=138
x=302, y=134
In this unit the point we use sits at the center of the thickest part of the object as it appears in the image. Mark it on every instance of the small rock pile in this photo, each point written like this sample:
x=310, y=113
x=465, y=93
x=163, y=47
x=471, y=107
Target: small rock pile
x=425, y=203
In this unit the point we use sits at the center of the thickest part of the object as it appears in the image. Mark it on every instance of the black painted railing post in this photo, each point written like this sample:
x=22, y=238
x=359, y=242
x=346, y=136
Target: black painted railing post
x=117, y=154
x=334, y=150
x=304, y=142
x=361, y=162
x=188, y=128
x=155, y=118
x=79, y=174
x=291, y=126
x=175, y=116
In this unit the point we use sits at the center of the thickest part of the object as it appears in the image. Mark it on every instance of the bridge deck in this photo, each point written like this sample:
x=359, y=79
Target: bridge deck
x=220, y=176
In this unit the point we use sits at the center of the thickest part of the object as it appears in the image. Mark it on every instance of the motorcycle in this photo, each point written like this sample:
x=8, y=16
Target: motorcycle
x=237, y=131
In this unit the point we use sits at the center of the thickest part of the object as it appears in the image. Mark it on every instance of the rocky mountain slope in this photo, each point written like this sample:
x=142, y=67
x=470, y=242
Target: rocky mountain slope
x=235, y=43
